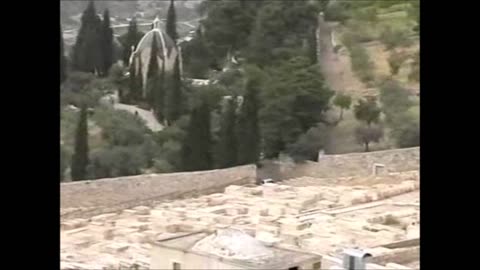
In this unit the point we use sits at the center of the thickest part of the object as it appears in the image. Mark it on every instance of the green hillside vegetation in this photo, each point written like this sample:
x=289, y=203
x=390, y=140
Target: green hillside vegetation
x=272, y=100
x=395, y=29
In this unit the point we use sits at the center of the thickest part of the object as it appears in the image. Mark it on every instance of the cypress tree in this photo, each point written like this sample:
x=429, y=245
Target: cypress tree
x=97, y=46
x=131, y=39
x=171, y=26
x=312, y=46
x=227, y=148
x=106, y=43
x=155, y=95
x=153, y=64
x=87, y=56
x=80, y=156
x=159, y=95
x=135, y=84
x=196, y=147
x=63, y=71
x=247, y=128
x=174, y=94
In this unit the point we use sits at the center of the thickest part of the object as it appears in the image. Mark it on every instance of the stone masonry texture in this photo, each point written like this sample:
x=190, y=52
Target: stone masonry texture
x=114, y=191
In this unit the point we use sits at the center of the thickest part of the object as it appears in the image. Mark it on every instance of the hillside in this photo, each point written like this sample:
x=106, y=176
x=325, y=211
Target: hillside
x=358, y=42
x=371, y=32
x=304, y=74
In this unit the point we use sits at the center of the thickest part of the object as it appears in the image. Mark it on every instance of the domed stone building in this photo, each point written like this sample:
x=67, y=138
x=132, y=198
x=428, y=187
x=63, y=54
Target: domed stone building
x=167, y=53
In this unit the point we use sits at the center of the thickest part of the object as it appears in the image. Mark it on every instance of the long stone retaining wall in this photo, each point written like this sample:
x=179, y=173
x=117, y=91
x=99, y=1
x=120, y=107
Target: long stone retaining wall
x=123, y=192
x=345, y=165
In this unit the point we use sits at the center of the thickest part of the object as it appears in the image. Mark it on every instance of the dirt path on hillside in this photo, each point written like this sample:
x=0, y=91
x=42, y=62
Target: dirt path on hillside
x=147, y=116
x=112, y=100
x=336, y=67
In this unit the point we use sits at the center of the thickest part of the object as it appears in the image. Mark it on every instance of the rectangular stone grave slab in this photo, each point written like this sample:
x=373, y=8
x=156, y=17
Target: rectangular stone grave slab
x=75, y=231
x=142, y=210
x=129, y=212
x=116, y=248
x=143, y=218
x=104, y=217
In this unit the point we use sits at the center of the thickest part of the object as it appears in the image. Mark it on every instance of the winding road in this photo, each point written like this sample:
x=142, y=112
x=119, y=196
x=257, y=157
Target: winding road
x=147, y=116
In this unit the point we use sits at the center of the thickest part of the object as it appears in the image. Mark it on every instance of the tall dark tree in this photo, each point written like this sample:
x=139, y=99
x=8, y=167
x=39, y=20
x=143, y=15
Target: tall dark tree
x=312, y=45
x=107, y=43
x=280, y=29
x=196, y=148
x=159, y=96
x=196, y=57
x=228, y=24
x=227, y=144
x=63, y=162
x=63, y=68
x=87, y=52
x=80, y=158
x=135, y=84
x=295, y=99
x=171, y=26
x=173, y=105
x=248, y=130
x=155, y=84
x=130, y=39
x=153, y=69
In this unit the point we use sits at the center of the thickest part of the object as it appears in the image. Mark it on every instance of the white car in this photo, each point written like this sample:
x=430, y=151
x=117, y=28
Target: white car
x=266, y=181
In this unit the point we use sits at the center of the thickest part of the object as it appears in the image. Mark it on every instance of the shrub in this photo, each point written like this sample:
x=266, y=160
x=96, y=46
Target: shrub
x=367, y=110
x=308, y=144
x=407, y=135
x=395, y=61
x=367, y=14
x=406, y=131
x=81, y=88
x=116, y=74
x=337, y=48
x=169, y=141
x=337, y=11
x=395, y=100
x=121, y=128
x=348, y=39
x=415, y=68
x=171, y=152
x=162, y=166
x=343, y=102
x=357, y=33
x=361, y=63
x=393, y=38
x=117, y=161
x=366, y=134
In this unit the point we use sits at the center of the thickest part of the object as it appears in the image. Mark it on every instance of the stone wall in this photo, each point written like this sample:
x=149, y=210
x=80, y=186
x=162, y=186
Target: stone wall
x=354, y=164
x=134, y=190
x=399, y=256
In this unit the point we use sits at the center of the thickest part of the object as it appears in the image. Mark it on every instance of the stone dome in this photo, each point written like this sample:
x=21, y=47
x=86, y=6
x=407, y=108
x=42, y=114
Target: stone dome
x=167, y=52
x=234, y=244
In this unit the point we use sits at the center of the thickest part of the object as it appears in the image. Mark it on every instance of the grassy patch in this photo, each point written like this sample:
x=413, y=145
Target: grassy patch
x=342, y=139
